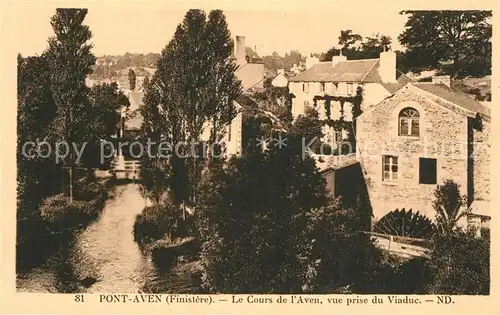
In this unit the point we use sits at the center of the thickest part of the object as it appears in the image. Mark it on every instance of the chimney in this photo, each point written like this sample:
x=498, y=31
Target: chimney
x=387, y=67
x=311, y=62
x=337, y=59
x=240, y=50
x=281, y=71
x=442, y=79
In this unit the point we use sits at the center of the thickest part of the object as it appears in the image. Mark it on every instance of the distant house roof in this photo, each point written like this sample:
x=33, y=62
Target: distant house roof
x=454, y=96
x=135, y=120
x=362, y=71
x=252, y=56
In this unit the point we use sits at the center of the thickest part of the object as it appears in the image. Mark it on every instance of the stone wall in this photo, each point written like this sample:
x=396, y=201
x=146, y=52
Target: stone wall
x=481, y=161
x=443, y=136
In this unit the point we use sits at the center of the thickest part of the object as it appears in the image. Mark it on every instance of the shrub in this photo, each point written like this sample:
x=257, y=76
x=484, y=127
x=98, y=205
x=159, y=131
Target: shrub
x=60, y=214
x=341, y=257
x=157, y=220
x=461, y=263
x=449, y=206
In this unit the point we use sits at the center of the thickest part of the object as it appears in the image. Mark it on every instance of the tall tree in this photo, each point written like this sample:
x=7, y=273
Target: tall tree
x=131, y=79
x=70, y=61
x=195, y=87
x=460, y=37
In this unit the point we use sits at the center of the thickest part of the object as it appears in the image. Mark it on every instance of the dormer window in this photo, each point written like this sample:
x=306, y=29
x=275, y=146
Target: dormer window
x=409, y=122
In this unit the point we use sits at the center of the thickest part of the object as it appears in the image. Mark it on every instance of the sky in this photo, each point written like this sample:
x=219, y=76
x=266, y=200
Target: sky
x=141, y=28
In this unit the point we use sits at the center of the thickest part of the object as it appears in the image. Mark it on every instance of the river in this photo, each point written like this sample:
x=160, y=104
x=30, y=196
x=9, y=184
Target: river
x=105, y=251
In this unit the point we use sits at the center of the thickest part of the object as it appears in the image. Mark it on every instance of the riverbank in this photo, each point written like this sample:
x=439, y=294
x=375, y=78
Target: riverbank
x=162, y=231
x=57, y=221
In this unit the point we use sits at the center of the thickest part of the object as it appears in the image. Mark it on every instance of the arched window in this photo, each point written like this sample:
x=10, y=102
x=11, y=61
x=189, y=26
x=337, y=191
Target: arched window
x=409, y=122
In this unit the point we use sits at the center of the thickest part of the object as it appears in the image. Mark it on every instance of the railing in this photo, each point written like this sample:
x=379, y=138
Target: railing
x=126, y=169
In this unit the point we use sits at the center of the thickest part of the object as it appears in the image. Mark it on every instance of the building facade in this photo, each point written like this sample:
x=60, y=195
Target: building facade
x=376, y=79
x=421, y=136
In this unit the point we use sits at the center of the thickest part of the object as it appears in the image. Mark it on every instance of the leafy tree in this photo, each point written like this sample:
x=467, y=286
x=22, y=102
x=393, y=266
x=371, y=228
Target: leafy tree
x=347, y=38
x=339, y=257
x=449, y=206
x=194, y=87
x=251, y=217
x=145, y=83
x=36, y=109
x=353, y=46
x=461, y=264
x=462, y=37
x=106, y=101
x=309, y=127
x=70, y=62
x=131, y=79
x=276, y=62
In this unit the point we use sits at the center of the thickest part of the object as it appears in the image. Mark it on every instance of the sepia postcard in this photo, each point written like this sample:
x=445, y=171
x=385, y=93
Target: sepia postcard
x=250, y=157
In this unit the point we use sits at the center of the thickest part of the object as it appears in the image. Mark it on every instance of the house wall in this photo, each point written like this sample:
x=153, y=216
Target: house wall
x=233, y=142
x=373, y=93
x=481, y=161
x=280, y=81
x=443, y=135
x=251, y=75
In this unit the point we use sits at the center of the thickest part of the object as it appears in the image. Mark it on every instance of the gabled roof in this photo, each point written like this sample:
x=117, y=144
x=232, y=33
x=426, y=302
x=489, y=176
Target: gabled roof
x=362, y=71
x=344, y=71
x=456, y=97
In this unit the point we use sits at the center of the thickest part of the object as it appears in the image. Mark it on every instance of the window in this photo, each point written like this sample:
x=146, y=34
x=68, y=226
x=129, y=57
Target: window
x=428, y=171
x=229, y=132
x=338, y=136
x=350, y=88
x=409, y=122
x=322, y=87
x=389, y=168
x=305, y=87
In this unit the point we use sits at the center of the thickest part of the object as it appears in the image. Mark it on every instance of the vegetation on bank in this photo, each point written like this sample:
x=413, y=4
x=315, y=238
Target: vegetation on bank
x=54, y=106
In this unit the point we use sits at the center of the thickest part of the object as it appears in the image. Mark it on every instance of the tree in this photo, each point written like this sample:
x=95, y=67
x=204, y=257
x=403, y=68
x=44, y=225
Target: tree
x=131, y=79
x=437, y=37
x=36, y=109
x=70, y=62
x=347, y=38
x=353, y=46
x=145, y=83
x=252, y=218
x=309, y=127
x=106, y=101
x=449, y=206
x=461, y=264
x=195, y=87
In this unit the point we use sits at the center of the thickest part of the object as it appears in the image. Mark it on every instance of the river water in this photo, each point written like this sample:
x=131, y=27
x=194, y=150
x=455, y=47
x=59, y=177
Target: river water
x=105, y=251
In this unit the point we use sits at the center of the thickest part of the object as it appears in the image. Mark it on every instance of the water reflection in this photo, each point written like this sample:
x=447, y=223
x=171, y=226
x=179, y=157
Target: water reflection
x=105, y=257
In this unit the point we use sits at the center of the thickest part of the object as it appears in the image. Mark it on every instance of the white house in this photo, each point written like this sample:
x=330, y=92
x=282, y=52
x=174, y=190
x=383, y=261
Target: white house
x=378, y=78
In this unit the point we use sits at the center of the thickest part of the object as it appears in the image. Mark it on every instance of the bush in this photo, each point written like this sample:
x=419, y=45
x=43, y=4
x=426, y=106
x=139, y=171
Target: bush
x=340, y=257
x=461, y=263
x=61, y=215
x=156, y=221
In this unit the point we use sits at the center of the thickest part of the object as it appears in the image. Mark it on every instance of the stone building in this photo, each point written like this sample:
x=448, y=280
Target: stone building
x=415, y=139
